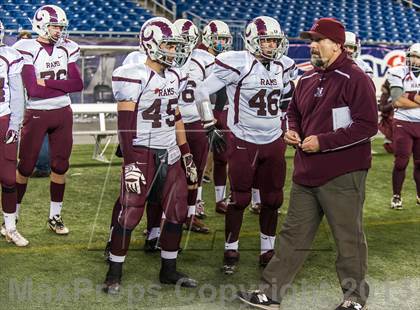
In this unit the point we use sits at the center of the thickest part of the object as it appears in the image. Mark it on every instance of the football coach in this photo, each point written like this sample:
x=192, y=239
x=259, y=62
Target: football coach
x=331, y=117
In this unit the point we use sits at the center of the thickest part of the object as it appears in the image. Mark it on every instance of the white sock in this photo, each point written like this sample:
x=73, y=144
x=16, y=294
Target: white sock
x=232, y=246
x=256, y=196
x=55, y=208
x=9, y=221
x=17, y=210
x=116, y=259
x=220, y=192
x=191, y=211
x=168, y=254
x=267, y=242
x=154, y=233
x=200, y=193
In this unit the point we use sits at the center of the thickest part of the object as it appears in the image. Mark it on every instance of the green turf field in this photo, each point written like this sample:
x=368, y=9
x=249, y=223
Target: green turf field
x=66, y=272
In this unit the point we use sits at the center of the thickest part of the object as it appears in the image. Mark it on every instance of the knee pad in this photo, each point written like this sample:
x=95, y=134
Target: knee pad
x=240, y=200
x=26, y=168
x=272, y=200
x=174, y=228
x=401, y=163
x=130, y=217
x=8, y=190
x=59, y=166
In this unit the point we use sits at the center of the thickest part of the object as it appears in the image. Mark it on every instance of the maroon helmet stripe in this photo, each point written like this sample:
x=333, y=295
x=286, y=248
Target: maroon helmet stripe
x=52, y=12
x=261, y=27
x=164, y=27
x=186, y=27
x=213, y=27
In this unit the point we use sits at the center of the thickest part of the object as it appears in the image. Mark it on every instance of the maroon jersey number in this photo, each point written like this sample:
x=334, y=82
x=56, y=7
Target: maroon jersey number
x=51, y=75
x=152, y=113
x=188, y=93
x=271, y=104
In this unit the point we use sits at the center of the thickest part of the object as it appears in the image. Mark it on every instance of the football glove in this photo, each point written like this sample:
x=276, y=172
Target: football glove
x=133, y=178
x=190, y=169
x=216, y=139
x=11, y=136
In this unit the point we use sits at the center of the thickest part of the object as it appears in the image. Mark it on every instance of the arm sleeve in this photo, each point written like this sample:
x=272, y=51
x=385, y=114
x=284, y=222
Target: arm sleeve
x=72, y=84
x=17, y=100
x=34, y=90
x=364, y=115
x=126, y=130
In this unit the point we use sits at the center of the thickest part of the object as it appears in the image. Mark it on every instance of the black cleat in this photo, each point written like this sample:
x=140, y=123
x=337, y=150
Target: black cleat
x=151, y=246
x=258, y=300
x=266, y=257
x=112, y=282
x=169, y=275
x=230, y=261
x=350, y=305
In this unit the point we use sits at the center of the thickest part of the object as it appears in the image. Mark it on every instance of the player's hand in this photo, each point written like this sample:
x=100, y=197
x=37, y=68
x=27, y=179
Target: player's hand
x=133, y=178
x=40, y=82
x=216, y=139
x=190, y=168
x=292, y=138
x=11, y=136
x=310, y=144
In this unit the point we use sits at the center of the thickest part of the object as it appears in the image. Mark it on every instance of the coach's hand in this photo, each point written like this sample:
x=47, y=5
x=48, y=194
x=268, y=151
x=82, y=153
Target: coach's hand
x=190, y=169
x=133, y=178
x=292, y=138
x=310, y=144
x=11, y=136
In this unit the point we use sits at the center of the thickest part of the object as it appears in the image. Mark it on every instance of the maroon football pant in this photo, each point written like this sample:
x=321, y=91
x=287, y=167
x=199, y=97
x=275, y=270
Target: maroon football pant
x=406, y=142
x=221, y=159
x=199, y=146
x=173, y=202
x=8, y=160
x=249, y=162
x=58, y=124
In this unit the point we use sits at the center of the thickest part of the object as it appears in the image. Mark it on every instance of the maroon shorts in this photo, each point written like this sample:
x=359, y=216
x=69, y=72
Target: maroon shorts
x=263, y=164
x=199, y=146
x=8, y=156
x=173, y=195
x=406, y=139
x=58, y=124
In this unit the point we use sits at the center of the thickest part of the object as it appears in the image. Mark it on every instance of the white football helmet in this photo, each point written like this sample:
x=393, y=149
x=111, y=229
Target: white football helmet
x=265, y=27
x=215, y=31
x=413, y=50
x=188, y=31
x=1, y=33
x=50, y=15
x=353, y=41
x=157, y=31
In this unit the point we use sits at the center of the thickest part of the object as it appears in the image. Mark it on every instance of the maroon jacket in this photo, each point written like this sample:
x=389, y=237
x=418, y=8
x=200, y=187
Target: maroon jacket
x=310, y=112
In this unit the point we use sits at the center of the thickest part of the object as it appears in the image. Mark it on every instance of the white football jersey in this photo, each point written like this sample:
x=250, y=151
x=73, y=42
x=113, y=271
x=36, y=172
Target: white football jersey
x=156, y=98
x=402, y=77
x=11, y=63
x=135, y=57
x=364, y=66
x=197, y=68
x=47, y=66
x=254, y=94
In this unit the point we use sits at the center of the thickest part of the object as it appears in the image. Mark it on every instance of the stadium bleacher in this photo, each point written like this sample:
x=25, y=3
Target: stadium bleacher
x=93, y=15
x=373, y=20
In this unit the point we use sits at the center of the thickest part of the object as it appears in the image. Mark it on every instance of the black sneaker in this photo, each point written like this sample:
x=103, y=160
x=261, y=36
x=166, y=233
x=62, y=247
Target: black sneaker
x=151, y=246
x=113, y=278
x=258, y=300
x=169, y=275
x=350, y=305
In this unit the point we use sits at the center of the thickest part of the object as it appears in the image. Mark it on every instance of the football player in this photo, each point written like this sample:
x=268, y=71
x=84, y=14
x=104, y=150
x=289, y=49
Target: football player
x=11, y=114
x=216, y=39
x=256, y=79
x=353, y=49
x=49, y=74
x=157, y=159
x=404, y=82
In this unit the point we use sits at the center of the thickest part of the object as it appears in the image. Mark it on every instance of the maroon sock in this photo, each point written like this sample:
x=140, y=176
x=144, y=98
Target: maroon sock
x=170, y=237
x=233, y=223
x=219, y=173
x=120, y=240
x=8, y=199
x=268, y=221
x=192, y=197
x=398, y=177
x=154, y=215
x=20, y=191
x=57, y=191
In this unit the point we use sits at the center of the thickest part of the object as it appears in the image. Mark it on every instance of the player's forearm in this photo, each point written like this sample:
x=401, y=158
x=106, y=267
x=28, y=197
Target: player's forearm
x=17, y=100
x=72, y=84
x=181, y=137
x=33, y=89
x=126, y=130
x=405, y=103
x=209, y=86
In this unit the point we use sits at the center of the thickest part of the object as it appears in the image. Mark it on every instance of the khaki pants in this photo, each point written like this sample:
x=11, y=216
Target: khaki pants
x=341, y=200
